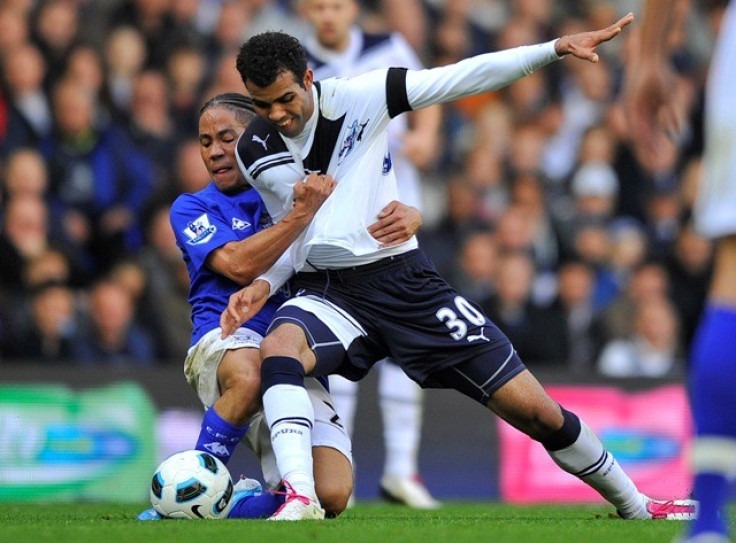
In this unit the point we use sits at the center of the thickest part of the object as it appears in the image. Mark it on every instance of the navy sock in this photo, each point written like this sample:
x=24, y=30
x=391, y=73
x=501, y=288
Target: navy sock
x=218, y=437
x=281, y=370
x=262, y=506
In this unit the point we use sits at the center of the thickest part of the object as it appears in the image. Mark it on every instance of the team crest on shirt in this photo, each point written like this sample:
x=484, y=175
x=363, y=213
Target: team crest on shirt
x=355, y=134
x=199, y=230
x=240, y=224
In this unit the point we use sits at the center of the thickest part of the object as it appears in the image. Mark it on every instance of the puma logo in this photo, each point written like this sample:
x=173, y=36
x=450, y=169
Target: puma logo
x=478, y=337
x=263, y=142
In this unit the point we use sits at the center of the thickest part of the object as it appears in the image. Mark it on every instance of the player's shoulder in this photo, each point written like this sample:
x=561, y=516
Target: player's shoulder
x=189, y=200
x=259, y=142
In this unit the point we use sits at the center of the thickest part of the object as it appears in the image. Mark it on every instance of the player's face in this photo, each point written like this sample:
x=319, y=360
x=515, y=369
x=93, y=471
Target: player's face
x=332, y=20
x=218, y=135
x=285, y=104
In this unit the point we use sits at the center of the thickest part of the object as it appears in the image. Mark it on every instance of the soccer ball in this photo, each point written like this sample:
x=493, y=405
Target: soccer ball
x=191, y=484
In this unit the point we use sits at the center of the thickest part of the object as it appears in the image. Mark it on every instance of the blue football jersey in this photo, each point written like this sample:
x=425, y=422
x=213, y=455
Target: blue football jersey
x=203, y=222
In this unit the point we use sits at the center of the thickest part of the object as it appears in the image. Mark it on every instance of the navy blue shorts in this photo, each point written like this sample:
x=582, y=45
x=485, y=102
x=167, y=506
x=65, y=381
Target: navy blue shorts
x=401, y=308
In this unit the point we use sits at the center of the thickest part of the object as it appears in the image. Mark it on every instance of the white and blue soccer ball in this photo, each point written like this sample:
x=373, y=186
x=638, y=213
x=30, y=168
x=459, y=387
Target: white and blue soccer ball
x=191, y=484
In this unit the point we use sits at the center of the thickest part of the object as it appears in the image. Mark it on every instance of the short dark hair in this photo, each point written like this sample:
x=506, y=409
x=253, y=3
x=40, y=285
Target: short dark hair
x=238, y=103
x=265, y=56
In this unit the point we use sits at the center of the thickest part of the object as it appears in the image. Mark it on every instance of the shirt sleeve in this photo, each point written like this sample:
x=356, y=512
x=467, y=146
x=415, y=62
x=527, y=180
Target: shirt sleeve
x=199, y=230
x=278, y=274
x=475, y=75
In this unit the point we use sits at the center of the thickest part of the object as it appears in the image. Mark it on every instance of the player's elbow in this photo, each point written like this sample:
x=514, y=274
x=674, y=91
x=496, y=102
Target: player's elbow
x=235, y=266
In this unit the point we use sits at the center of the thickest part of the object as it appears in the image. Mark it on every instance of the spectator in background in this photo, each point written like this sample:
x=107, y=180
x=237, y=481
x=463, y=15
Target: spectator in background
x=592, y=244
x=111, y=335
x=55, y=33
x=186, y=71
x=29, y=116
x=150, y=127
x=461, y=218
x=99, y=182
x=125, y=57
x=574, y=308
x=648, y=280
x=651, y=350
x=477, y=265
x=25, y=174
x=24, y=236
x=512, y=310
x=51, y=333
x=153, y=20
x=14, y=28
x=689, y=267
x=164, y=307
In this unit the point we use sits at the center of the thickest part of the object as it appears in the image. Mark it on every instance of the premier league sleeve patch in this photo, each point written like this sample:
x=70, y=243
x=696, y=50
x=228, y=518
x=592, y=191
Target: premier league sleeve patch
x=199, y=230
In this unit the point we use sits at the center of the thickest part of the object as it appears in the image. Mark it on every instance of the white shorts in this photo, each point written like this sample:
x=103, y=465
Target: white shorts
x=200, y=370
x=715, y=209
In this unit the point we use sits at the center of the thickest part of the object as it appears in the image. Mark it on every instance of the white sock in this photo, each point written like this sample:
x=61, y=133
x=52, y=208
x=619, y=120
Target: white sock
x=589, y=461
x=291, y=434
x=401, y=407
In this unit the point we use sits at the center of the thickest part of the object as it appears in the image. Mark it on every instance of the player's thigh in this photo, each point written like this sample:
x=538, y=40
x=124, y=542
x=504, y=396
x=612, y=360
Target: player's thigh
x=499, y=380
x=323, y=333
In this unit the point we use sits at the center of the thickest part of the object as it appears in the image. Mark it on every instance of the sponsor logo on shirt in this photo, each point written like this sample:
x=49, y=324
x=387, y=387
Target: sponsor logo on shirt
x=240, y=224
x=199, y=230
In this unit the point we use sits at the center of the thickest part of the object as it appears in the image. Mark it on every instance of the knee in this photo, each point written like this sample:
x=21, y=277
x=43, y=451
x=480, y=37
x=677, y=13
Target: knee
x=272, y=345
x=540, y=421
x=334, y=496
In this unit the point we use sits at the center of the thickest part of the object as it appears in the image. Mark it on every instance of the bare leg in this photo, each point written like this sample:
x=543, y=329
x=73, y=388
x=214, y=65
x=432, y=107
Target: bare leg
x=573, y=446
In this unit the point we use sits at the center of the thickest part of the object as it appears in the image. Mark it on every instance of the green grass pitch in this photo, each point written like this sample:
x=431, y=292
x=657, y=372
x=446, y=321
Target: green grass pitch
x=457, y=522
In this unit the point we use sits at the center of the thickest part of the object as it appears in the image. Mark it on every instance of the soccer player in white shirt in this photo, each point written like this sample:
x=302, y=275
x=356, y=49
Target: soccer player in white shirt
x=337, y=47
x=357, y=300
x=654, y=115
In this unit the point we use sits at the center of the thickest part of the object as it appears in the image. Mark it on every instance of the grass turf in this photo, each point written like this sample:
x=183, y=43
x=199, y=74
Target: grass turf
x=457, y=522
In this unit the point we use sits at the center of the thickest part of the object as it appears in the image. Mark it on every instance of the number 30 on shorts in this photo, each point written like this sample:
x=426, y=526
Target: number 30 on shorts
x=458, y=328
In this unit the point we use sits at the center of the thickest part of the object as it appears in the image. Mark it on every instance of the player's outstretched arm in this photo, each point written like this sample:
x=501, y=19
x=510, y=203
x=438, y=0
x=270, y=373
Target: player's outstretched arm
x=243, y=305
x=396, y=224
x=653, y=108
x=243, y=261
x=583, y=45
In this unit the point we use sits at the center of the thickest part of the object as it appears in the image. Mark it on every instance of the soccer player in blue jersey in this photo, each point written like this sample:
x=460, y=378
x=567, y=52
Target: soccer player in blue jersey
x=227, y=238
x=337, y=47
x=654, y=115
x=358, y=302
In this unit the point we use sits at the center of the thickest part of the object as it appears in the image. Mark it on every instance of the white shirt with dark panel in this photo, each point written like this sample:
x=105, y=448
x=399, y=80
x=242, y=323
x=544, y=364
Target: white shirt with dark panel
x=346, y=138
x=367, y=52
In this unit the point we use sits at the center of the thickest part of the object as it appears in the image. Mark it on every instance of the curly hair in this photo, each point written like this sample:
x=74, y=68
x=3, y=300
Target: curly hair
x=240, y=104
x=265, y=56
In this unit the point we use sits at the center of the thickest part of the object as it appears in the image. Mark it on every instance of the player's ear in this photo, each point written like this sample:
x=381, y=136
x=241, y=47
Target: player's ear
x=308, y=79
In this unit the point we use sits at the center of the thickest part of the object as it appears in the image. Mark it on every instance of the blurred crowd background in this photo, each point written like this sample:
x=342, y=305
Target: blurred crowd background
x=535, y=205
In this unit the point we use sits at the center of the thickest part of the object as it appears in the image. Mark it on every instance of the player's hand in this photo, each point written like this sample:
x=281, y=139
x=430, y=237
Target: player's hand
x=655, y=111
x=311, y=193
x=396, y=224
x=583, y=45
x=243, y=305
